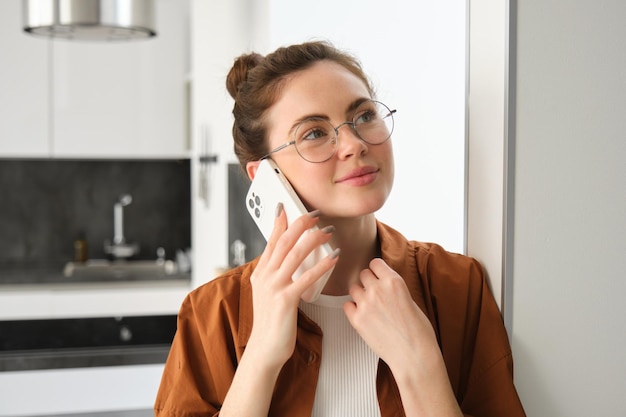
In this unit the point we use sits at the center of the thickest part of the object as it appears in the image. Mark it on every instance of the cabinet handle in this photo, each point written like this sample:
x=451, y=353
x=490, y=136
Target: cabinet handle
x=205, y=159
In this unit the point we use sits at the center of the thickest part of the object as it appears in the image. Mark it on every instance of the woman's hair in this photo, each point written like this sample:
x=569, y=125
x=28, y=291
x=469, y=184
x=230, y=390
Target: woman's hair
x=255, y=82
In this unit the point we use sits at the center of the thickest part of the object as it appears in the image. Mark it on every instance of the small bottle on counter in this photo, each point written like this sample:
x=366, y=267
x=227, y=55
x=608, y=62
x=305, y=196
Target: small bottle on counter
x=80, y=248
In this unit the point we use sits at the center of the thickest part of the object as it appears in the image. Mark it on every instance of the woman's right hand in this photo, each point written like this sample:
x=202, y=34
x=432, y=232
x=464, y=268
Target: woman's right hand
x=275, y=296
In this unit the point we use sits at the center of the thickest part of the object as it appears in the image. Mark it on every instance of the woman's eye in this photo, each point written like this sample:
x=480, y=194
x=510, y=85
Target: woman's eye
x=315, y=134
x=366, y=116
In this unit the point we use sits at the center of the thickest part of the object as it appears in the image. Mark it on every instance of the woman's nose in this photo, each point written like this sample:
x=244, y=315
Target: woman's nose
x=348, y=141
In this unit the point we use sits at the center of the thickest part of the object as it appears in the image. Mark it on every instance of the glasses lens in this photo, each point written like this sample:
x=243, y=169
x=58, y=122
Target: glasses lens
x=315, y=140
x=373, y=121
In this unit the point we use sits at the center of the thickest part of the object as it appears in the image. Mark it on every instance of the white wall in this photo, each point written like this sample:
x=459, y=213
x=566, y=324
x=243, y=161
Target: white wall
x=486, y=140
x=569, y=315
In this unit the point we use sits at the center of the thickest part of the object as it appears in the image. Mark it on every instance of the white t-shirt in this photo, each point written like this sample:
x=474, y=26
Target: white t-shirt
x=347, y=379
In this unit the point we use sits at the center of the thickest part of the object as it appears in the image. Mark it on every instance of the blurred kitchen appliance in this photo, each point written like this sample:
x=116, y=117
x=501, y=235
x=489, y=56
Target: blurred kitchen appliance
x=91, y=20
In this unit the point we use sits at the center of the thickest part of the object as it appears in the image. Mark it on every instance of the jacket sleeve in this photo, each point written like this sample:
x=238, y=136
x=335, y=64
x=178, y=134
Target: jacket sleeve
x=202, y=360
x=471, y=334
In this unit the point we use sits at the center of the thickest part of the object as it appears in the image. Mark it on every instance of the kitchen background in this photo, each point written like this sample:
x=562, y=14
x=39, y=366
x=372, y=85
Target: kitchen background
x=458, y=71
x=48, y=205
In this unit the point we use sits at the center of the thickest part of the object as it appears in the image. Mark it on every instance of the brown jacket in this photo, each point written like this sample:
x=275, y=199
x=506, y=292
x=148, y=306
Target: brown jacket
x=215, y=321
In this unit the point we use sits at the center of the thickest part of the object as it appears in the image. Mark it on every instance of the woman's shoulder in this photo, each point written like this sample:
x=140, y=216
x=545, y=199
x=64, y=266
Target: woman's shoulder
x=432, y=260
x=228, y=288
x=434, y=252
x=394, y=241
x=453, y=279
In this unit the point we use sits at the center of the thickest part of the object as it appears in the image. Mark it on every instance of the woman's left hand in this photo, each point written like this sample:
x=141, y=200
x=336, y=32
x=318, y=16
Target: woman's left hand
x=396, y=329
x=387, y=318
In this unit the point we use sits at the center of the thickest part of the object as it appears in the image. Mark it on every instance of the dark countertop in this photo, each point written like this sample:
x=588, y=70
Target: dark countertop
x=17, y=273
x=53, y=273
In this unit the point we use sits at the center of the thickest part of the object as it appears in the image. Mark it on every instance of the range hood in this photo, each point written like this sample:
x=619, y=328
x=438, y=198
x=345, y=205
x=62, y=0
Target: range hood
x=91, y=20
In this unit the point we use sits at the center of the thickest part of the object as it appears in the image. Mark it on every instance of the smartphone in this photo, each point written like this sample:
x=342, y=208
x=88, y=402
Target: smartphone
x=268, y=188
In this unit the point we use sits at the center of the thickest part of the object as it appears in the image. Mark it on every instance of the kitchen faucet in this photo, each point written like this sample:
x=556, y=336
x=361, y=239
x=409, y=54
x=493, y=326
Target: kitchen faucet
x=118, y=218
x=120, y=249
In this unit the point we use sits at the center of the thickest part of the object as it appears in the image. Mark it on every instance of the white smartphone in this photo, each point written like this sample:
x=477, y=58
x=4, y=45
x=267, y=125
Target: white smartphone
x=268, y=188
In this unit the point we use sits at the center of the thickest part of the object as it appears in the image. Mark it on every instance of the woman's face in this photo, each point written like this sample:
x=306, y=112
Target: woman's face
x=358, y=178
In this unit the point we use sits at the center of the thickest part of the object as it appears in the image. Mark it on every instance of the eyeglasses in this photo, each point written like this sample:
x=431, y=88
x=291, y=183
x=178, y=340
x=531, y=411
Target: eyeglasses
x=316, y=140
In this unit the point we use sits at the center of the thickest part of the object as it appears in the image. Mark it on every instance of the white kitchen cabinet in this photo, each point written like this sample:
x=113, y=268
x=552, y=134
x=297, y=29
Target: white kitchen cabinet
x=97, y=391
x=124, y=99
x=24, y=87
x=90, y=299
x=77, y=99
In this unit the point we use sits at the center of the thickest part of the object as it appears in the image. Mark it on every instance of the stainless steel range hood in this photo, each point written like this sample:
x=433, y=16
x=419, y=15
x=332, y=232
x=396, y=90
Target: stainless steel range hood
x=92, y=20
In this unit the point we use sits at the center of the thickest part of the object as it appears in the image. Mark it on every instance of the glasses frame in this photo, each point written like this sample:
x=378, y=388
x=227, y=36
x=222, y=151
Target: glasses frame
x=336, y=129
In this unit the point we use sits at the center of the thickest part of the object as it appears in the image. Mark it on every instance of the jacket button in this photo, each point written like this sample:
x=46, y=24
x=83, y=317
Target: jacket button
x=311, y=358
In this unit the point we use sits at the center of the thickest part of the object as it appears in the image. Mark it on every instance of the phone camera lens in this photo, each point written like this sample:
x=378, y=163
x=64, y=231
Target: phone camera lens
x=257, y=199
x=251, y=203
x=257, y=212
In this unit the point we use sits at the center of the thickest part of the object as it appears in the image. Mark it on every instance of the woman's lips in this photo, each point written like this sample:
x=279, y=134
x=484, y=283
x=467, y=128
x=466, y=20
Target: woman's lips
x=359, y=176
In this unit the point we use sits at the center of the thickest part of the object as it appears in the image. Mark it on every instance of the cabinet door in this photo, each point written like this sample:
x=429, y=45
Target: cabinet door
x=123, y=99
x=24, y=123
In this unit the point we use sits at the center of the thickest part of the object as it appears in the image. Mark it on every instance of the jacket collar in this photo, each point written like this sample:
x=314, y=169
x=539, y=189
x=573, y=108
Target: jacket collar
x=400, y=255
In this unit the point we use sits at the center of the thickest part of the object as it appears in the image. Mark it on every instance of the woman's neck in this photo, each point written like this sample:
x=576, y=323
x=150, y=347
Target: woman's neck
x=358, y=240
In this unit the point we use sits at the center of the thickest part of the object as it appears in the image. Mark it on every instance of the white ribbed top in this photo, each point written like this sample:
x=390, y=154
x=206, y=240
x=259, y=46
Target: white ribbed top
x=347, y=380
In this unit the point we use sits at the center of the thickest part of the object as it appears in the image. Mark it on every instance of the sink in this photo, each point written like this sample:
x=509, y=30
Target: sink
x=120, y=269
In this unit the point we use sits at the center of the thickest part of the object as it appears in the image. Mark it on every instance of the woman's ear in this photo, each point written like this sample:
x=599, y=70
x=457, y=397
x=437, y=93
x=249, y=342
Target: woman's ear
x=251, y=168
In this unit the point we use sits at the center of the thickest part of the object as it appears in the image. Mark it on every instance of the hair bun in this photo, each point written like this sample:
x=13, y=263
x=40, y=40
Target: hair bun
x=238, y=74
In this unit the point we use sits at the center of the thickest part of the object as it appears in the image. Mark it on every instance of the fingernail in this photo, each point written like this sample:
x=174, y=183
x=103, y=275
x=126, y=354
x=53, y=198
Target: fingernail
x=335, y=253
x=279, y=209
x=328, y=229
x=315, y=213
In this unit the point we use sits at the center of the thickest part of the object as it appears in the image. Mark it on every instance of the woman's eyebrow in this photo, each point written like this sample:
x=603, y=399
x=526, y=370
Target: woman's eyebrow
x=317, y=116
x=298, y=121
x=355, y=104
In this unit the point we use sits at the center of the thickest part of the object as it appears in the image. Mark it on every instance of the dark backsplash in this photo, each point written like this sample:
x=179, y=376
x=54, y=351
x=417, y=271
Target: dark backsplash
x=46, y=204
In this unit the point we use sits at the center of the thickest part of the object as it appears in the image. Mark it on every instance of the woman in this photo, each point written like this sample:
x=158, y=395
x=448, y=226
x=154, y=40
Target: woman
x=401, y=328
